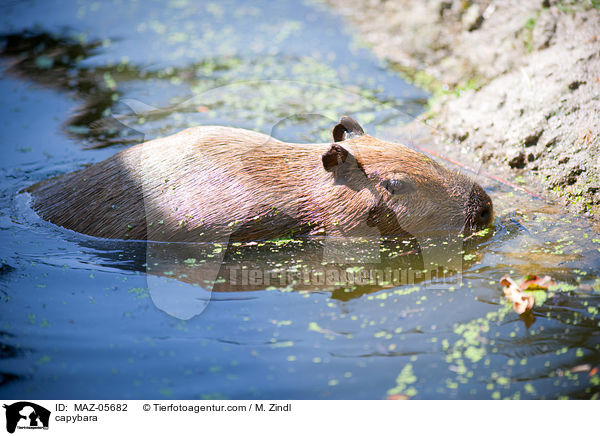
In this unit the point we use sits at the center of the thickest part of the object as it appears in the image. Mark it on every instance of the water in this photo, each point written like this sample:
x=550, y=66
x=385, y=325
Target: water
x=81, y=317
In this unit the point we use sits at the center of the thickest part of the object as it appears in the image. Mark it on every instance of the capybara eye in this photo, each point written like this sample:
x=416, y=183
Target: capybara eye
x=397, y=186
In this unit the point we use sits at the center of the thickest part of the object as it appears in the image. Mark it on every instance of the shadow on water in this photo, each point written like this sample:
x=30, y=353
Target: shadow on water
x=54, y=61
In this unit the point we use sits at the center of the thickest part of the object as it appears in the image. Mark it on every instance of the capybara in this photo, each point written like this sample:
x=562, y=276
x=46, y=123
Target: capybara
x=211, y=183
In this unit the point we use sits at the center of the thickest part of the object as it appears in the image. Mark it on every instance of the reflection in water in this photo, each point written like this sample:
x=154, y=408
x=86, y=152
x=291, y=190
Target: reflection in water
x=103, y=119
x=9, y=351
x=290, y=264
x=55, y=61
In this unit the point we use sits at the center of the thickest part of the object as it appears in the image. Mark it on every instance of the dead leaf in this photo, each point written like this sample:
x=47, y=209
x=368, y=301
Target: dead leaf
x=521, y=301
x=398, y=397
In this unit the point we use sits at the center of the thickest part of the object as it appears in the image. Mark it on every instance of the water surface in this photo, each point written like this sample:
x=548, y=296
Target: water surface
x=82, y=317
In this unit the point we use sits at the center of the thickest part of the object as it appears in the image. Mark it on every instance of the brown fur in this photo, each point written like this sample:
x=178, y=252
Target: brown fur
x=216, y=183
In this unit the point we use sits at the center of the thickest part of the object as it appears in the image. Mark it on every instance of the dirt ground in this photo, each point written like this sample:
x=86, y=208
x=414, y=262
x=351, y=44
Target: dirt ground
x=517, y=82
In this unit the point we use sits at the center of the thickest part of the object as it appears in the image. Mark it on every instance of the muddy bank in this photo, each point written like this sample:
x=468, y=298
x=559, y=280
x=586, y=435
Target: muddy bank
x=517, y=82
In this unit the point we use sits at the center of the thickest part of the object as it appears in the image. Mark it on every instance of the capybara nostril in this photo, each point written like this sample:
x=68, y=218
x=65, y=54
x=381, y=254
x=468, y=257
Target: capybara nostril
x=483, y=215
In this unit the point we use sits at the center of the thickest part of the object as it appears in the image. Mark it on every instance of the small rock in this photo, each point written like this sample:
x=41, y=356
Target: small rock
x=515, y=158
x=472, y=18
x=573, y=175
x=551, y=142
x=460, y=136
x=576, y=84
x=532, y=139
x=444, y=6
x=486, y=157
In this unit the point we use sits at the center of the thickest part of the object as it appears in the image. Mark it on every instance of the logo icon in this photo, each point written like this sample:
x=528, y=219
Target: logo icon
x=26, y=415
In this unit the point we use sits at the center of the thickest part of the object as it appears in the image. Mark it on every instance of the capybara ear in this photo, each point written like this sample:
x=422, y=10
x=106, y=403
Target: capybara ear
x=347, y=128
x=333, y=157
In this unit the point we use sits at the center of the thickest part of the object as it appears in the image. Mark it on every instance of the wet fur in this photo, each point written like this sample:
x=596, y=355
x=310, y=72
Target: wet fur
x=217, y=183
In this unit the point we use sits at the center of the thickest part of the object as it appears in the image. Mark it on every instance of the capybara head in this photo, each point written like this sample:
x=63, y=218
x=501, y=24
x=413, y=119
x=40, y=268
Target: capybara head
x=409, y=191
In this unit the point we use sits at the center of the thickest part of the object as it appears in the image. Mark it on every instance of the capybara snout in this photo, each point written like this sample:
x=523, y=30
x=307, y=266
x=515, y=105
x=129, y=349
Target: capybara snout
x=213, y=183
x=479, y=211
